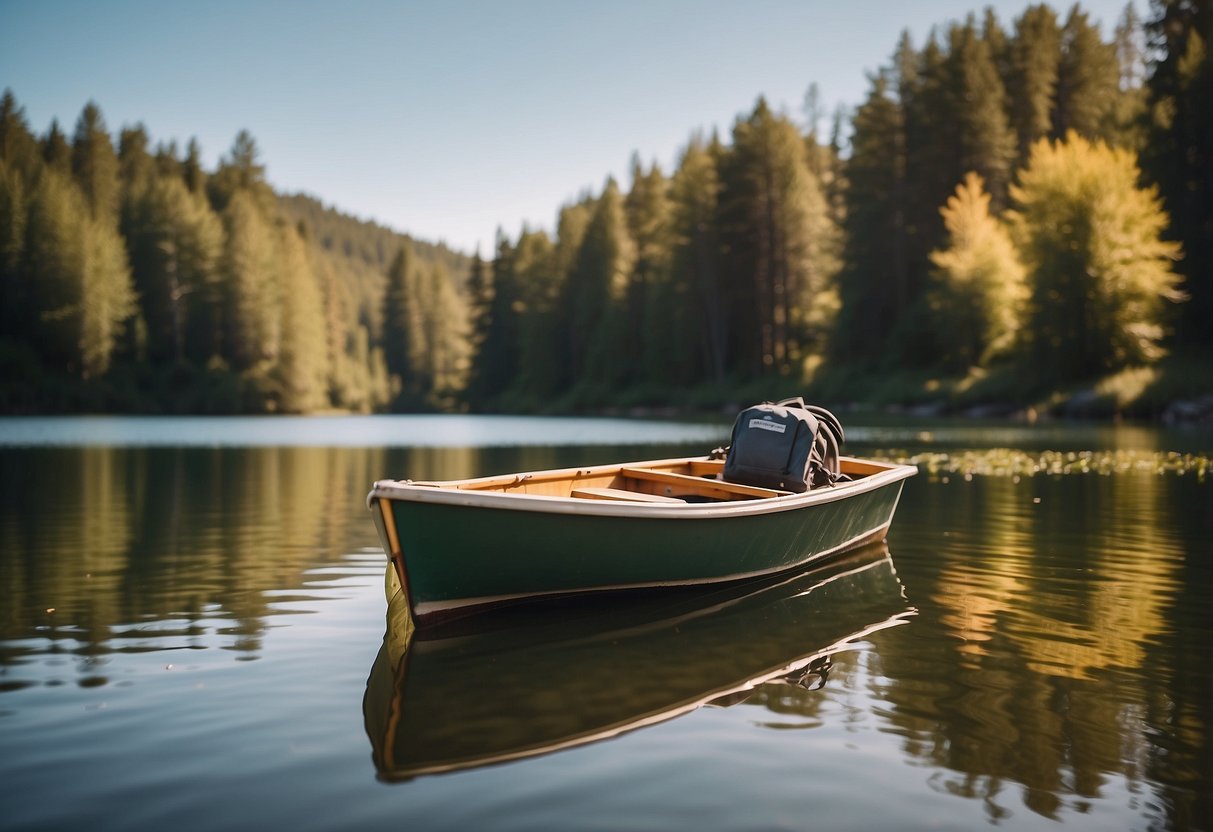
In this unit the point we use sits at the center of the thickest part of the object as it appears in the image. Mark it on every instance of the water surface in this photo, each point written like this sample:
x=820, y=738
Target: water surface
x=194, y=637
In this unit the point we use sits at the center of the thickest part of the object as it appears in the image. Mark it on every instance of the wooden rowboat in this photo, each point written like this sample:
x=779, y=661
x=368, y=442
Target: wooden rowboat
x=562, y=673
x=460, y=546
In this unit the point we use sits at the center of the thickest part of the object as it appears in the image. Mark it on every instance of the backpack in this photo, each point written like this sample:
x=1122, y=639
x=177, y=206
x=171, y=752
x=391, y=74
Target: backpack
x=788, y=445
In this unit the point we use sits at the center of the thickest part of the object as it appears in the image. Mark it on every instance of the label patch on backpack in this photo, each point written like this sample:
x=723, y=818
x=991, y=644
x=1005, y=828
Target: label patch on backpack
x=763, y=424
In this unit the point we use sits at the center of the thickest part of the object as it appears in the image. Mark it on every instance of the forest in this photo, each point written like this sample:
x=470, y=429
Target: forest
x=1018, y=214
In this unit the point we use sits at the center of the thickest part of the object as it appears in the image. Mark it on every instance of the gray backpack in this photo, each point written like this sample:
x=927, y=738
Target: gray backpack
x=788, y=445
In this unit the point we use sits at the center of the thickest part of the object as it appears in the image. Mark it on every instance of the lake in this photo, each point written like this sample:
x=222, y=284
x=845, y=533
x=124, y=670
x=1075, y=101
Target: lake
x=195, y=637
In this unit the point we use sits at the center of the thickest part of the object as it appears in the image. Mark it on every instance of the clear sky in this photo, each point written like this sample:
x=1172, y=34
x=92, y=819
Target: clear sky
x=447, y=119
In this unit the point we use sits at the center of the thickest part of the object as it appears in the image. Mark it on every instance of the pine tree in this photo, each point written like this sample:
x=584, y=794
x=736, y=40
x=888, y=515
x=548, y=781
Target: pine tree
x=241, y=171
x=79, y=282
x=95, y=164
x=779, y=239
x=107, y=296
x=252, y=290
x=498, y=360
x=56, y=152
x=14, y=288
x=1125, y=123
x=18, y=147
x=134, y=161
x=175, y=243
x=987, y=145
x=191, y=168
x=874, y=285
x=1098, y=270
x=401, y=320
x=695, y=274
x=595, y=294
x=539, y=286
x=980, y=291
x=444, y=328
x=1035, y=52
x=1180, y=146
x=649, y=301
x=303, y=364
x=571, y=223
x=1088, y=79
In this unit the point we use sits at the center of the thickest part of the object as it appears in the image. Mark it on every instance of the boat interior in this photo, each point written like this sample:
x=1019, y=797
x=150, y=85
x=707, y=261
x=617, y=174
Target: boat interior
x=687, y=480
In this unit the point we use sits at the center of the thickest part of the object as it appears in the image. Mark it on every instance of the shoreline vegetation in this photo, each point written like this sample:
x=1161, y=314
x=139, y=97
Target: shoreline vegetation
x=1014, y=223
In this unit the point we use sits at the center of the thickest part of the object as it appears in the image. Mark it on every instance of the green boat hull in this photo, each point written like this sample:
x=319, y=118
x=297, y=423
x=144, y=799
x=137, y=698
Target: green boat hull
x=458, y=557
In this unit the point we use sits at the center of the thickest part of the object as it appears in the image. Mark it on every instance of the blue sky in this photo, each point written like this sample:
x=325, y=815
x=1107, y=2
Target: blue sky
x=449, y=119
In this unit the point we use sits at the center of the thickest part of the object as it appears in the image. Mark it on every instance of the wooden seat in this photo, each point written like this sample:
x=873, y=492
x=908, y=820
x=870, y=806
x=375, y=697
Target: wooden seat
x=622, y=495
x=697, y=485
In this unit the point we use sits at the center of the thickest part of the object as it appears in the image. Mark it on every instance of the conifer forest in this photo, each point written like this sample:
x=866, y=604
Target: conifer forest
x=1018, y=208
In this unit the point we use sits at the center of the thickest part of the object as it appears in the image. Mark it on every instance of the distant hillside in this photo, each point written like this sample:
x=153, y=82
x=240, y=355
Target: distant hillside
x=365, y=243
x=361, y=251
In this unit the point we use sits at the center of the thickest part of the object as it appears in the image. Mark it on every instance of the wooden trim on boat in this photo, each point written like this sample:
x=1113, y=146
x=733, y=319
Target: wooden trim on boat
x=396, y=554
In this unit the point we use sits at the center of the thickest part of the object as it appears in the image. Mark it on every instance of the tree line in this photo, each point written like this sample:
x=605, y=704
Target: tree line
x=133, y=279
x=1028, y=200
x=1002, y=209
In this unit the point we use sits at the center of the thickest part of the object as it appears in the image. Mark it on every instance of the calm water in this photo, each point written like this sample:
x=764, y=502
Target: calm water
x=194, y=637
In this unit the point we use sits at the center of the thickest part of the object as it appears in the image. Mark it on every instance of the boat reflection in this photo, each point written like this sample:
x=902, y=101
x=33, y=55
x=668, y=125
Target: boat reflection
x=528, y=680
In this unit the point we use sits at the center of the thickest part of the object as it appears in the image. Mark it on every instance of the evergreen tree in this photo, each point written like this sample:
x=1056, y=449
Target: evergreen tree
x=401, y=322
x=1180, y=146
x=1126, y=122
x=539, y=286
x=980, y=291
x=252, y=291
x=778, y=238
x=874, y=285
x=78, y=279
x=986, y=142
x=175, y=243
x=95, y=164
x=571, y=224
x=241, y=171
x=595, y=294
x=18, y=147
x=107, y=296
x=695, y=275
x=1035, y=52
x=191, y=168
x=1098, y=270
x=480, y=298
x=134, y=161
x=497, y=363
x=14, y=288
x=303, y=364
x=56, y=152
x=649, y=304
x=444, y=335
x=1088, y=79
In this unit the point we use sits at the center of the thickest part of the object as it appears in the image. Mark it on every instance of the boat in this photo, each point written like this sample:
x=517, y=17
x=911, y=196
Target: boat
x=458, y=547
x=523, y=681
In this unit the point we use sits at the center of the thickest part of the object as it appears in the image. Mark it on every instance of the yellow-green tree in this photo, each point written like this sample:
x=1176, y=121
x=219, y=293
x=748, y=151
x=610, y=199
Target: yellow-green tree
x=979, y=291
x=303, y=365
x=1099, y=272
x=79, y=279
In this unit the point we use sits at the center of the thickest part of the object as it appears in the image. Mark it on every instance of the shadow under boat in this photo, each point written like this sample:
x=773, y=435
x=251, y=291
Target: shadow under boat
x=551, y=675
